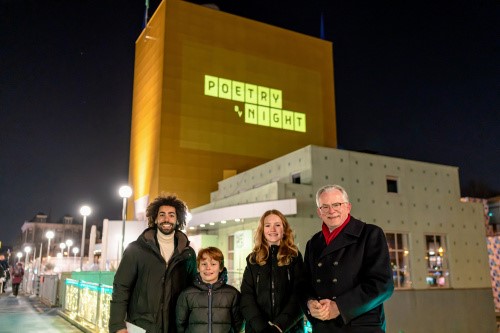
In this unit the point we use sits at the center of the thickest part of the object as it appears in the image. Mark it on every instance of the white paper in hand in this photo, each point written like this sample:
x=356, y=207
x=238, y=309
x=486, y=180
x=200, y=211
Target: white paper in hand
x=131, y=328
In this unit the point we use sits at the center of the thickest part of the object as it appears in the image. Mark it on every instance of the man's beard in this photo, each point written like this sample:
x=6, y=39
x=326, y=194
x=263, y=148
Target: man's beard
x=167, y=231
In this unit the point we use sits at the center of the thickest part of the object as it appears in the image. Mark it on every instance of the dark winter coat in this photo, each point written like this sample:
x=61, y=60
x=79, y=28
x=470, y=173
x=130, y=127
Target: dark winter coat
x=5, y=266
x=272, y=293
x=209, y=308
x=353, y=270
x=145, y=288
x=17, y=274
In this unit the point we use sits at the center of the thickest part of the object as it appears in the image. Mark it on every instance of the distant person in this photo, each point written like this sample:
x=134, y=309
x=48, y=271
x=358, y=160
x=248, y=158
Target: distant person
x=273, y=279
x=210, y=305
x=348, y=271
x=153, y=271
x=2, y=278
x=17, y=277
x=4, y=264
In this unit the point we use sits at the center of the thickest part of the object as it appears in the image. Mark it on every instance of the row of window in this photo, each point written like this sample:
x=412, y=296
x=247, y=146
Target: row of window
x=435, y=256
x=398, y=243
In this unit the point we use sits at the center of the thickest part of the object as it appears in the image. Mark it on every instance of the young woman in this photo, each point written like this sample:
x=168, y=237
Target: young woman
x=270, y=296
x=210, y=305
x=17, y=277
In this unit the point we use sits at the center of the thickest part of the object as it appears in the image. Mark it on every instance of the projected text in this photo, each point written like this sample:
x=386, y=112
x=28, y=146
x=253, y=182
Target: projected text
x=262, y=105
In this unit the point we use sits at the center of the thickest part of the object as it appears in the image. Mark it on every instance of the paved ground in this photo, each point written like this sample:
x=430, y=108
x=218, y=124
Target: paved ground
x=23, y=314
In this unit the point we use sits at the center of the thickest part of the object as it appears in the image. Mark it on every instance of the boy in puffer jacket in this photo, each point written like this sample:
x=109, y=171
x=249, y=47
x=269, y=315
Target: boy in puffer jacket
x=210, y=305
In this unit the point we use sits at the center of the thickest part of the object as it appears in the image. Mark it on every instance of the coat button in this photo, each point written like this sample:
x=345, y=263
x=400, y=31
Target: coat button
x=318, y=280
x=320, y=264
x=335, y=263
x=334, y=280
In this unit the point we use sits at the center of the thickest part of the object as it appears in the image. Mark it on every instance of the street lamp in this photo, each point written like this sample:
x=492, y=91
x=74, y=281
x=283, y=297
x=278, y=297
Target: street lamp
x=19, y=255
x=75, y=251
x=62, y=246
x=125, y=192
x=49, y=234
x=27, y=249
x=69, y=244
x=85, y=211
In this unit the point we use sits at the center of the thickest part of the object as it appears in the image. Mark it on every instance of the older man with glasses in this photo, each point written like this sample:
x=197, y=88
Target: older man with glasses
x=348, y=269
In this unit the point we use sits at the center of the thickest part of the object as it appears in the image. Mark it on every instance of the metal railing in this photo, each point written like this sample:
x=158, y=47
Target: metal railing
x=48, y=290
x=87, y=304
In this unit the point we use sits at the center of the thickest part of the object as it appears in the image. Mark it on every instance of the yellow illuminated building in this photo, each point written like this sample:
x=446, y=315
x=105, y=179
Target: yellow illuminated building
x=216, y=94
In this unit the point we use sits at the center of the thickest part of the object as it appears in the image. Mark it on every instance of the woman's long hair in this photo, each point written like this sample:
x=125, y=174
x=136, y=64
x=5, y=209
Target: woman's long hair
x=287, y=248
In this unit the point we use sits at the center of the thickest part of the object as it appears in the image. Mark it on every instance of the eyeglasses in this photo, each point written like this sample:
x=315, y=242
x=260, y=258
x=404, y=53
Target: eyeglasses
x=326, y=208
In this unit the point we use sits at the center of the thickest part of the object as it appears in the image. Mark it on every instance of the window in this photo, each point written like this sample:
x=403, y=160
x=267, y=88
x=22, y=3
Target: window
x=392, y=184
x=437, y=267
x=494, y=216
x=400, y=259
x=296, y=178
x=229, y=262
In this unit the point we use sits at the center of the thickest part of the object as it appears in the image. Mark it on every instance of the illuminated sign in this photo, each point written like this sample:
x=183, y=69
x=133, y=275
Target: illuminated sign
x=262, y=105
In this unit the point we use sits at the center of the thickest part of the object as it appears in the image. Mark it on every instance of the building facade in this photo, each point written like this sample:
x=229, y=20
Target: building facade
x=212, y=91
x=33, y=234
x=436, y=241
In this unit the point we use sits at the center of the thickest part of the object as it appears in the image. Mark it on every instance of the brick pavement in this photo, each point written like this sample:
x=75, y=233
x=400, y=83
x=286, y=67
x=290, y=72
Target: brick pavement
x=27, y=314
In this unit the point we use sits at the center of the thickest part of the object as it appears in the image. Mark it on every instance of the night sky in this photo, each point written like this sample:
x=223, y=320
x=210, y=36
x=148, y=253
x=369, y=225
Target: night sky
x=418, y=81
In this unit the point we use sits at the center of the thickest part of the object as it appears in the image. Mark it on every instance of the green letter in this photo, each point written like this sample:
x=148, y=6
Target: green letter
x=238, y=91
x=263, y=96
x=250, y=114
x=225, y=88
x=250, y=93
x=211, y=85
x=276, y=99
x=276, y=118
x=288, y=120
x=264, y=116
x=300, y=122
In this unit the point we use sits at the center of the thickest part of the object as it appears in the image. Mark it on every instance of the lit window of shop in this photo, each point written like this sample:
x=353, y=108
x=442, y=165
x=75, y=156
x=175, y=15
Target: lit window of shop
x=230, y=259
x=437, y=266
x=400, y=259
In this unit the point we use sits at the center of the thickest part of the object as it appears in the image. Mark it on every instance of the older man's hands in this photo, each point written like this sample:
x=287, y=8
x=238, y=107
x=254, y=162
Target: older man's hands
x=324, y=309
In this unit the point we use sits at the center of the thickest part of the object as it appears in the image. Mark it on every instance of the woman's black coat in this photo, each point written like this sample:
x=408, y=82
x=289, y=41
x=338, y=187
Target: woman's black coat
x=257, y=294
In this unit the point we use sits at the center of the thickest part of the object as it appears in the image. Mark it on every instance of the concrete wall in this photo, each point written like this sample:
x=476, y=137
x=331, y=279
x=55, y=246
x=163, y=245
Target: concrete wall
x=442, y=310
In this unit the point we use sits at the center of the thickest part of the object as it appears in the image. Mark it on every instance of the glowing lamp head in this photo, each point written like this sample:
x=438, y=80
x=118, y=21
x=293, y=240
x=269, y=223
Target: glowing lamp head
x=125, y=191
x=85, y=210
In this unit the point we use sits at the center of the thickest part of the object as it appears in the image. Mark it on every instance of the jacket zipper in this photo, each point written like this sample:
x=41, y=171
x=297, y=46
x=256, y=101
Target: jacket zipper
x=273, y=274
x=209, y=308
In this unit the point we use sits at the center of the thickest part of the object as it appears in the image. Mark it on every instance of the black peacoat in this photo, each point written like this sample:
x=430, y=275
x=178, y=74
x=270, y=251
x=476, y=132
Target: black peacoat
x=353, y=270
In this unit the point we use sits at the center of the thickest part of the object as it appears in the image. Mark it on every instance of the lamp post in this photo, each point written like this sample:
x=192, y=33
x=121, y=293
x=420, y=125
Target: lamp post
x=19, y=255
x=125, y=192
x=75, y=252
x=62, y=246
x=69, y=244
x=27, y=249
x=49, y=234
x=85, y=211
